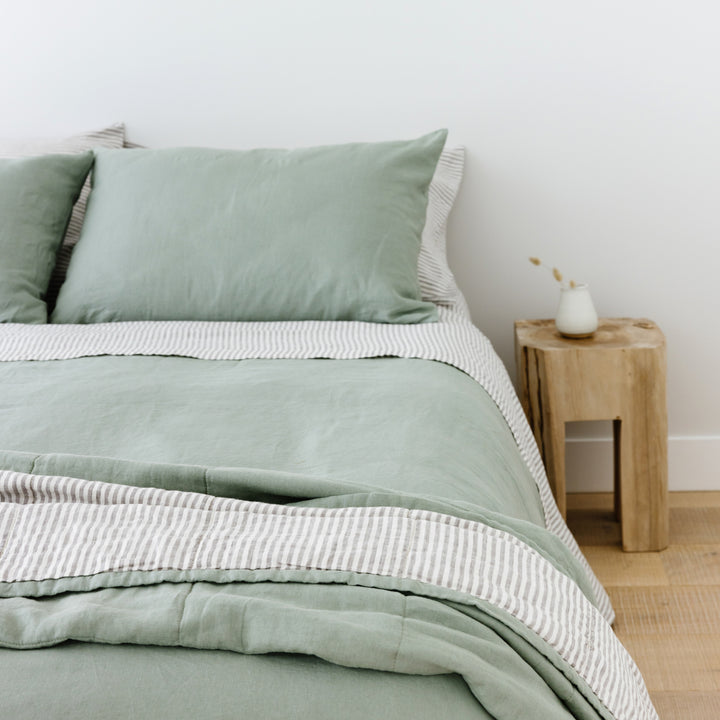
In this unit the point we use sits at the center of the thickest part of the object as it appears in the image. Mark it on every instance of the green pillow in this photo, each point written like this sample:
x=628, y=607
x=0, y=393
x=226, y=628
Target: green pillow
x=36, y=198
x=326, y=233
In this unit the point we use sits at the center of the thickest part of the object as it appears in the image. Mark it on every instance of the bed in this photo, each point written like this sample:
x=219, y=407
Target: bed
x=284, y=511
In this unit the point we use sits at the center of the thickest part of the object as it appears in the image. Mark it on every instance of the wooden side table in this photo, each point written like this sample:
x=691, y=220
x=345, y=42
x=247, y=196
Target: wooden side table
x=617, y=374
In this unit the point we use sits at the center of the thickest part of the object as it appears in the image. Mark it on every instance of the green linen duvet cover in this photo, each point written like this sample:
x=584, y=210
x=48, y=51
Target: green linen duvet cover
x=308, y=440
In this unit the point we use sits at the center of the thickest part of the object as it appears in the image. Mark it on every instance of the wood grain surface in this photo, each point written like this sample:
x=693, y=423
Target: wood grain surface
x=667, y=603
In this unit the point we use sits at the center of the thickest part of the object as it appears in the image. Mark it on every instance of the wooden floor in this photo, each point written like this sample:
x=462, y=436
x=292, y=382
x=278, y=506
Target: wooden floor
x=667, y=603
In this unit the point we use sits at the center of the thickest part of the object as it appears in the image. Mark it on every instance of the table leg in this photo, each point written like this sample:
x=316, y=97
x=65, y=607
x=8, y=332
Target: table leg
x=553, y=447
x=643, y=457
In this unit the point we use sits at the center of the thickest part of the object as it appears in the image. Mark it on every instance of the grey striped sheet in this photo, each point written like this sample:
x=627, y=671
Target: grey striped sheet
x=54, y=527
x=453, y=340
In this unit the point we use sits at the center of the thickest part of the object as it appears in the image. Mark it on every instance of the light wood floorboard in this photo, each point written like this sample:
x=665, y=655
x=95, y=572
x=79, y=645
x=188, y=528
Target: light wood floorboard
x=667, y=603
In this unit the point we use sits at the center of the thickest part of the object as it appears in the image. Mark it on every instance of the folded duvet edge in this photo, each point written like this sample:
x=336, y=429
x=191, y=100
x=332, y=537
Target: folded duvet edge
x=53, y=527
x=453, y=340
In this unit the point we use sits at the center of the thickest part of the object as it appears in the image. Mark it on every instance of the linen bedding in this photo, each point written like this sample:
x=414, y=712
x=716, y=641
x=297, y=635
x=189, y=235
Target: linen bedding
x=306, y=519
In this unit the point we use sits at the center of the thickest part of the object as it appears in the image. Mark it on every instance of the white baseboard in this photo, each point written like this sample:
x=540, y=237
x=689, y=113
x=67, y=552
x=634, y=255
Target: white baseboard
x=693, y=464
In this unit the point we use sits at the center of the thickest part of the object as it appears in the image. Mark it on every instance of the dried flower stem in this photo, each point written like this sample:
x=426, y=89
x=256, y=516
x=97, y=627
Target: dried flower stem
x=554, y=272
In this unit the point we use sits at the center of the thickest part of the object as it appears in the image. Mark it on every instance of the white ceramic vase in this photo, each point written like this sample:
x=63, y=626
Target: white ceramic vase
x=576, y=316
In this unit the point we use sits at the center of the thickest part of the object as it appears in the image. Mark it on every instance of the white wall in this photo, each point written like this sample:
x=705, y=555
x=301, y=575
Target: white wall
x=592, y=129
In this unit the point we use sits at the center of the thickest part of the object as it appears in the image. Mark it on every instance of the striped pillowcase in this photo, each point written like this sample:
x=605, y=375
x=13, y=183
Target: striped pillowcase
x=109, y=137
x=437, y=283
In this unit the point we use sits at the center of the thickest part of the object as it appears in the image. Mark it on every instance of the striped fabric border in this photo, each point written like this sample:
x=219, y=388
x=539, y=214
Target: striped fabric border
x=54, y=527
x=453, y=340
x=437, y=283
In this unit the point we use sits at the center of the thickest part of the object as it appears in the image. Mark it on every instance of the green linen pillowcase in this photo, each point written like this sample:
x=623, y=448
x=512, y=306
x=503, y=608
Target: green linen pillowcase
x=112, y=136
x=37, y=195
x=325, y=233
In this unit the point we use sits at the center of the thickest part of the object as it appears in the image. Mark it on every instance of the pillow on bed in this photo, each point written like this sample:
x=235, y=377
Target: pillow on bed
x=437, y=282
x=36, y=198
x=326, y=233
x=112, y=136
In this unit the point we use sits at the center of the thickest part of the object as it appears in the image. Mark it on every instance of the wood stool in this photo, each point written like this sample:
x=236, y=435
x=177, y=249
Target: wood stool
x=617, y=374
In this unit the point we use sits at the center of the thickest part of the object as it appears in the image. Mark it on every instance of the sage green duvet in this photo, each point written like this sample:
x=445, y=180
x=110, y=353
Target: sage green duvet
x=288, y=644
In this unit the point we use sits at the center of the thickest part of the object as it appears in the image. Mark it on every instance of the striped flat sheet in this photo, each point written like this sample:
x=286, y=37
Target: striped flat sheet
x=453, y=340
x=54, y=528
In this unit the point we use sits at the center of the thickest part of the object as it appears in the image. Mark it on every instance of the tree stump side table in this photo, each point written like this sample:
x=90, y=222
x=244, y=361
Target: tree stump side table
x=617, y=374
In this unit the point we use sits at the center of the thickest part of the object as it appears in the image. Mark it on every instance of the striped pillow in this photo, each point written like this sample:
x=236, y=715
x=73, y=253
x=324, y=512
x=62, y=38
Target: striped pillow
x=437, y=283
x=109, y=137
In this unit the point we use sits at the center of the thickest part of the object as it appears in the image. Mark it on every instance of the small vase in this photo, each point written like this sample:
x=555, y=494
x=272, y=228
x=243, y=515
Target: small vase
x=576, y=316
